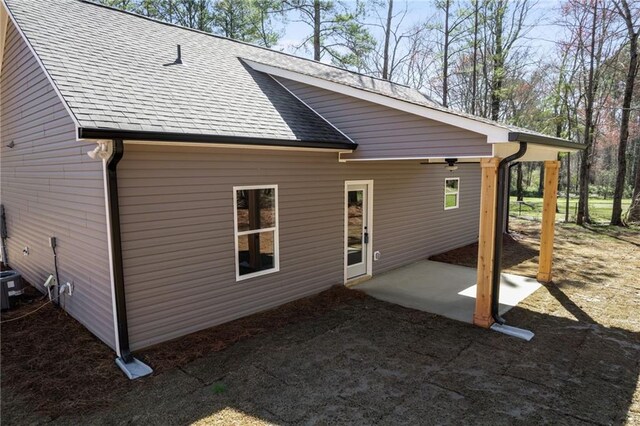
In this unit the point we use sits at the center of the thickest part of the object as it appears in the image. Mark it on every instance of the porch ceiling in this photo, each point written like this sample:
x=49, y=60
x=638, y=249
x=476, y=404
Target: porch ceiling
x=535, y=151
x=443, y=289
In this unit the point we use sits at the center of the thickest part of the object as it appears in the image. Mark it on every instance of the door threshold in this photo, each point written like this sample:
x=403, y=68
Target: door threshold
x=357, y=280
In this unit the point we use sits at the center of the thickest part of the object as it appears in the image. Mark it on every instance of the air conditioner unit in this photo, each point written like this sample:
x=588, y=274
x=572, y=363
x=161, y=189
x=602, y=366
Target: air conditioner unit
x=11, y=285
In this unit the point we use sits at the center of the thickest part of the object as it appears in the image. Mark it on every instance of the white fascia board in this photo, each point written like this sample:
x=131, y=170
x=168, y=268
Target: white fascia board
x=494, y=134
x=42, y=67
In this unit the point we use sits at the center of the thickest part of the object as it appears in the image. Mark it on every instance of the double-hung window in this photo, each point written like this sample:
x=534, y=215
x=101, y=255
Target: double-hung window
x=256, y=230
x=451, y=193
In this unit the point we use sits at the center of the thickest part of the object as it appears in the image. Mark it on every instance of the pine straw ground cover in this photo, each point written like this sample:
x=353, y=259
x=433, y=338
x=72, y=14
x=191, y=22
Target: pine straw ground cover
x=51, y=364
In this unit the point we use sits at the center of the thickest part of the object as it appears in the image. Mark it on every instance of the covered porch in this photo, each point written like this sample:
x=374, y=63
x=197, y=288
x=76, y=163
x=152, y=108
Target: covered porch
x=482, y=294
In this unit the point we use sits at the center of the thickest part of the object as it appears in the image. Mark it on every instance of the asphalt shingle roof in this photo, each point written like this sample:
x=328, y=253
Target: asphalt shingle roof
x=114, y=71
x=111, y=69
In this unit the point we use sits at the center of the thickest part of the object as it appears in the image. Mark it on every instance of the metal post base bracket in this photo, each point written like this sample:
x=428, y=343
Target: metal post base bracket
x=134, y=369
x=520, y=333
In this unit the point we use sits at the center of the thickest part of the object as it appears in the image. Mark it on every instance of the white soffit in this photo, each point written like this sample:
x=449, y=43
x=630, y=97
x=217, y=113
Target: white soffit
x=495, y=134
x=426, y=159
x=534, y=152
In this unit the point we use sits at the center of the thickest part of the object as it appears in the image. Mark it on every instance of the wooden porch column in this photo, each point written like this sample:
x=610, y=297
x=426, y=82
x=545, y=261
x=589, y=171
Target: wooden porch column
x=488, y=197
x=551, y=171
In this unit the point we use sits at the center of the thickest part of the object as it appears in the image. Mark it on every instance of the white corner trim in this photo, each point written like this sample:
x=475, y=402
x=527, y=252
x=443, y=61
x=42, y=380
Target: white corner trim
x=494, y=133
x=4, y=24
x=109, y=249
x=42, y=67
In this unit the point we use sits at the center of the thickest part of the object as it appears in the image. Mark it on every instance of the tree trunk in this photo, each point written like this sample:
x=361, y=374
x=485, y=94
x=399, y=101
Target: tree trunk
x=616, y=214
x=541, y=180
x=445, y=60
x=585, y=167
x=474, y=76
x=519, y=182
x=498, y=64
x=634, y=210
x=316, y=30
x=387, y=36
x=568, y=195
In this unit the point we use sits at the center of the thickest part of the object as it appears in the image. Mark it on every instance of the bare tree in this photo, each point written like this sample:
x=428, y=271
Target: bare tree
x=387, y=39
x=505, y=21
x=592, y=42
x=474, y=78
x=630, y=20
x=453, y=30
x=399, y=44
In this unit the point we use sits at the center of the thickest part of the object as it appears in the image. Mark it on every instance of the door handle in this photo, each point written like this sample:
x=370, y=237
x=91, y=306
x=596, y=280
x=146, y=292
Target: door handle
x=366, y=236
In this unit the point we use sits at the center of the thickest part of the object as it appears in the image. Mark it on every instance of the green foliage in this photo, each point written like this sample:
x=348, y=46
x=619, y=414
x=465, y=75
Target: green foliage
x=218, y=388
x=128, y=5
x=246, y=20
x=342, y=35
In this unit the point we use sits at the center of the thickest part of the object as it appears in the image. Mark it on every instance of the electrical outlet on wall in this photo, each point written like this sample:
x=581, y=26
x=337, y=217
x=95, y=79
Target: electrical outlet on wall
x=376, y=255
x=25, y=251
x=68, y=287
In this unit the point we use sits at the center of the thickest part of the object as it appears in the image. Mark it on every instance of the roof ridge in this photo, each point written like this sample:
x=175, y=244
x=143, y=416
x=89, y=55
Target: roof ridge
x=158, y=21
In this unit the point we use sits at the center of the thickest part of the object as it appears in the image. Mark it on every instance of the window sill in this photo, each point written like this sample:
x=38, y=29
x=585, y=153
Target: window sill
x=256, y=274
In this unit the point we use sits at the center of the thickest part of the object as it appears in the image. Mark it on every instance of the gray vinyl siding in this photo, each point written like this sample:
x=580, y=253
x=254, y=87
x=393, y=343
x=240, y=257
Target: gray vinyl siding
x=383, y=132
x=176, y=208
x=50, y=187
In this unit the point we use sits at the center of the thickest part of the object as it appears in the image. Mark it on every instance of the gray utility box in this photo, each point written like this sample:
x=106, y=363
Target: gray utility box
x=10, y=285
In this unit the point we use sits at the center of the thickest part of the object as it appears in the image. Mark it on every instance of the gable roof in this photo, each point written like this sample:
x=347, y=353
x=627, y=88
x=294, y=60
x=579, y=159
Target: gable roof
x=114, y=71
x=111, y=69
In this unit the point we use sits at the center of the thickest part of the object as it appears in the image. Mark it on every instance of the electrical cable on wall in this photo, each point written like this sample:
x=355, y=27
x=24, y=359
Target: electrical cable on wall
x=53, y=243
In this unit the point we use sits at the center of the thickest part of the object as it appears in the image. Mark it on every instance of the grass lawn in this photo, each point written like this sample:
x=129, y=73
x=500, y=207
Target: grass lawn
x=345, y=358
x=599, y=209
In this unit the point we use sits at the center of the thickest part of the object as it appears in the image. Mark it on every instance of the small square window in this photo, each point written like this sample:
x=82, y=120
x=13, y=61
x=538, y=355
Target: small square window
x=256, y=230
x=451, y=193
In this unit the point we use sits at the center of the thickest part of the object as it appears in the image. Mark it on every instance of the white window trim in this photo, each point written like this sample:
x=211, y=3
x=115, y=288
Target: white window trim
x=275, y=229
x=457, y=193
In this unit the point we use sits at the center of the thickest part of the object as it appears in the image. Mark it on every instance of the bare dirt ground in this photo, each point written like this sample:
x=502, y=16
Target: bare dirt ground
x=361, y=361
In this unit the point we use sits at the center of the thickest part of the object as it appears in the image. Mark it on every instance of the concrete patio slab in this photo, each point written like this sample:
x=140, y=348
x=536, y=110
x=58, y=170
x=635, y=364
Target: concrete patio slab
x=443, y=289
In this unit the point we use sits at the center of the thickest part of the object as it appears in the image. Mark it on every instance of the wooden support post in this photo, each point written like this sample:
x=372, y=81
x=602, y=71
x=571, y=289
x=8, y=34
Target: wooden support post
x=488, y=198
x=551, y=171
